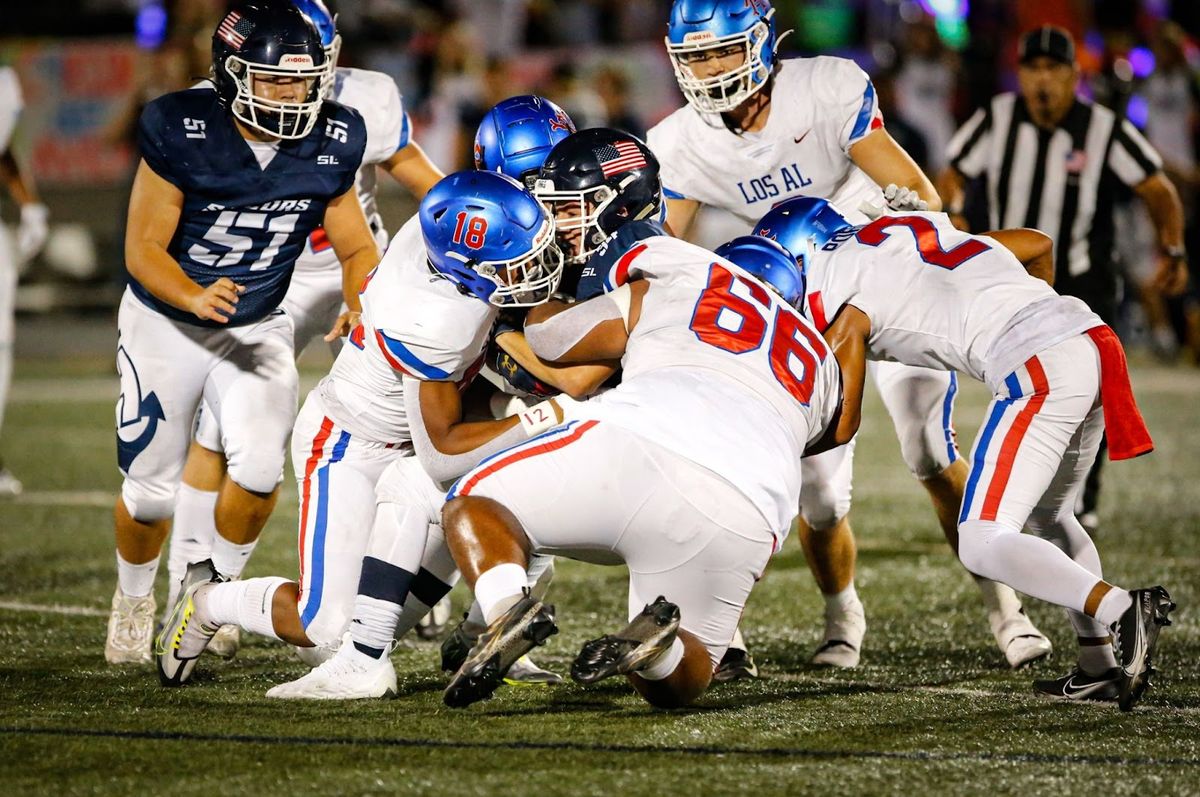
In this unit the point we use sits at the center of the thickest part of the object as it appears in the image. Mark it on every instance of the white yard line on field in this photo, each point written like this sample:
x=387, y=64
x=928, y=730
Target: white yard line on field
x=52, y=608
x=91, y=498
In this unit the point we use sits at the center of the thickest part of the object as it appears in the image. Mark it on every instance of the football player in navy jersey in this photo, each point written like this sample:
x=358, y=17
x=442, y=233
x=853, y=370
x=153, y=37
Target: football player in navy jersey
x=229, y=187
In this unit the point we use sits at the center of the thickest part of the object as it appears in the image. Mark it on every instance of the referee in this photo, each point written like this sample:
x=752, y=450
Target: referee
x=1052, y=161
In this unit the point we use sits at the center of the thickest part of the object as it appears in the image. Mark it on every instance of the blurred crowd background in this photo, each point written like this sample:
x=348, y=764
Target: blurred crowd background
x=87, y=67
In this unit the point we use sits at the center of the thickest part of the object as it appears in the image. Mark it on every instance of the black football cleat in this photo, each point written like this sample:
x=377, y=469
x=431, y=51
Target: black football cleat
x=735, y=665
x=457, y=646
x=649, y=635
x=1134, y=637
x=1078, y=685
x=527, y=624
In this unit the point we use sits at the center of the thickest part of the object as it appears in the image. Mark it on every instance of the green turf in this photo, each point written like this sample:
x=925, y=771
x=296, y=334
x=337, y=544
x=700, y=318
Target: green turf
x=931, y=708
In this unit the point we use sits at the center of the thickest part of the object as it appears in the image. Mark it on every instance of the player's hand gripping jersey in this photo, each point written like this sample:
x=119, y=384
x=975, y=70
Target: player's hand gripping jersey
x=241, y=220
x=940, y=298
x=722, y=371
x=414, y=323
x=820, y=107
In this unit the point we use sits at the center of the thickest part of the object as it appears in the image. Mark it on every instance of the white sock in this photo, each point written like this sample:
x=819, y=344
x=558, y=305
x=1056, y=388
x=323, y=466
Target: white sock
x=136, y=581
x=499, y=588
x=842, y=602
x=191, y=535
x=664, y=664
x=1097, y=657
x=475, y=616
x=246, y=603
x=1113, y=605
x=998, y=598
x=230, y=558
x=374, y=623
x=737, y=643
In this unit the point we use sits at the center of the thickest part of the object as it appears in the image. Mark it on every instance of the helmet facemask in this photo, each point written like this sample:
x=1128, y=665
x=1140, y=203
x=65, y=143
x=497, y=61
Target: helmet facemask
x=583, y=218
x=528, y=280
x=724, y=92
x=332, y=51
x=284, y=120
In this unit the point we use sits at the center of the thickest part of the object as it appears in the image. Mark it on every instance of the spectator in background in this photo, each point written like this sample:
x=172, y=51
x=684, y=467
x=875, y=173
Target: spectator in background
x=925, y=84
x=1052, y=162
x=612, y=84
x=1172, y=97
x=910, y=139
x=578, y=99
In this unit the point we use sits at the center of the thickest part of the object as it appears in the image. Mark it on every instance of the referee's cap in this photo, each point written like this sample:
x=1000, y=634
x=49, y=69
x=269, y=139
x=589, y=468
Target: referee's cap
x=1049, y=41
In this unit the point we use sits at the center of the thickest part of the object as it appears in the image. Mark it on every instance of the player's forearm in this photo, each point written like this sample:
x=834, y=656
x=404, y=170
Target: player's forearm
x=577, y=381
x=950, y=188
x=412, y=168
x=1166, y=211
x=1033, y=248
x=18, y=186
x=158, y=272
x=354, y=270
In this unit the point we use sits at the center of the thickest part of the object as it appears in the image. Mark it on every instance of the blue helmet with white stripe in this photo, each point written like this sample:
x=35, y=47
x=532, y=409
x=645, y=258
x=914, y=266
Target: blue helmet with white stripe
x=490, y=237
x=517, y=134
x=768, y=261
x=331, y=41
x=802, y=225
x=701, y=29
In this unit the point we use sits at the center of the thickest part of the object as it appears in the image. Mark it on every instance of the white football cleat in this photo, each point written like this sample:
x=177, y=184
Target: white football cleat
x=349, y=675
x=841, y=645
x=1018, y=638
x=525, y=673
x=225, y=643
x=130, y=629
x=10, y=485
x=189, y=630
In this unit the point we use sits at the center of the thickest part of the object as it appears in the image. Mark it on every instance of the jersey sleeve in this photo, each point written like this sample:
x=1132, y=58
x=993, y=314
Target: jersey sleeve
x=11, y=103
x=419, y=357
x=1131, y=157
x=967, y=152
x=354, y=148
x=154, y=143
x=388, y=125
x=852, y=103
x=664, y=141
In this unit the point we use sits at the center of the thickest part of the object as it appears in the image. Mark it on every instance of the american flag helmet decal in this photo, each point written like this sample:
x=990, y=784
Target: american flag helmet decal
x=619, y=157
x=234, y=29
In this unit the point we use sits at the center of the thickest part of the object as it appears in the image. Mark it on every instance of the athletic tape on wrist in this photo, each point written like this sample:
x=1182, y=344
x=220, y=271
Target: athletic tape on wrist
x=538, y=418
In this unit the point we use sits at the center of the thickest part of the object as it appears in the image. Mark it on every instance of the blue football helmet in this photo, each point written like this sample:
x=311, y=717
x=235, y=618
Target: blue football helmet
x=517, y=134
x=698, y=28
x=768, y=261
x=489, y=236
x=802, y=225
x=265, y=40
x=326, y=25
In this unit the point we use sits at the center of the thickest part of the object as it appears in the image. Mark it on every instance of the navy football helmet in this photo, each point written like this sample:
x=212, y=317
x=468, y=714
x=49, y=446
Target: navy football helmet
x=517, y=134
x=594, y=181
x=489, y=236
x=265, y=41
x=331, y=41
x=802, y=225
x=701, y=28
x=770, y=262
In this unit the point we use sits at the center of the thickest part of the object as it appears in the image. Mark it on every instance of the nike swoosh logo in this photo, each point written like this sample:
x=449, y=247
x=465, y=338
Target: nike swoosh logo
x=1070, y=690
x=802, y=135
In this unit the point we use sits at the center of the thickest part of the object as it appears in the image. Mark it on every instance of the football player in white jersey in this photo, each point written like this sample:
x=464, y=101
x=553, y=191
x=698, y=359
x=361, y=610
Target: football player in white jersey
x=912, y=288
x=314, y=298
x=479, y=241
x=687, y=472
x=756, y=130
x=31, y=236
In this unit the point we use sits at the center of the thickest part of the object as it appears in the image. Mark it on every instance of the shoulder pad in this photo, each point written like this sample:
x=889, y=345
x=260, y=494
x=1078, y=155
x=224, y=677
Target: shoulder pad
x=603, y=271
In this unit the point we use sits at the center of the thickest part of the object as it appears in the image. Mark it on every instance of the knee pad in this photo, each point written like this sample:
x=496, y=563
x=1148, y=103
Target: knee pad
x=824, y=503
x=974, y=536
x=208, y=431
x=259, y=471
x=148, y=501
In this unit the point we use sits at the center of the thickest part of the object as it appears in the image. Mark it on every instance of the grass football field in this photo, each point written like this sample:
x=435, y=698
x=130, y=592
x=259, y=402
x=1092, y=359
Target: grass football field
x=932, y=709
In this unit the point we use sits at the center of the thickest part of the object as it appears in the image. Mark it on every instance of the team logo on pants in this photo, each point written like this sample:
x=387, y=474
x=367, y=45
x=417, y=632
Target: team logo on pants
x=137, y=415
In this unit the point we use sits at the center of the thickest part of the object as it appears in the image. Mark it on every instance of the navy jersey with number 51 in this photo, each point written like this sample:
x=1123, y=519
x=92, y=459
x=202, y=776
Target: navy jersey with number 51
x=241, y=220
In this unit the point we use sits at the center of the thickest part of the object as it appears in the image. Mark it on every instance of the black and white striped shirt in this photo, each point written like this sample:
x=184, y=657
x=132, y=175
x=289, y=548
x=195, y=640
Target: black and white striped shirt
x=1060, y=181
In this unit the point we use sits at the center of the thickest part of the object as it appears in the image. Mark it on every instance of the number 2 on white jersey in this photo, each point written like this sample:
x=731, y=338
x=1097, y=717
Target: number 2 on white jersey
x=791, y=339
